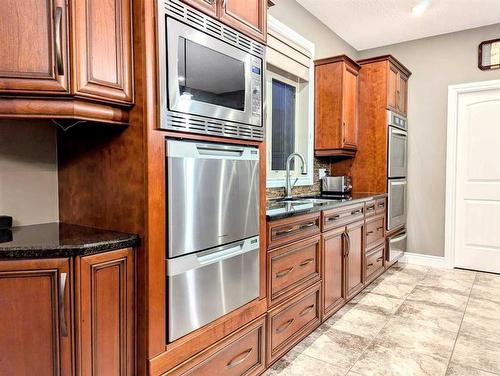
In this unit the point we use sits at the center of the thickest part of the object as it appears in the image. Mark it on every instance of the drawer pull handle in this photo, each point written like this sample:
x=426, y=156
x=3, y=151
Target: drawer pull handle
x=359, y=211
x=334, y=218
x=238, y=359
x=306, y=310
x=380, y=258
x=283, y=273
x=284, y=326
x=370, y=264
x=58, y=38
x=306, y=262
x=380, y=228
x=279, y=233
x=307, y=226
x=381, y=206
x=62, y=304
x=370, y=208
x=370, y=232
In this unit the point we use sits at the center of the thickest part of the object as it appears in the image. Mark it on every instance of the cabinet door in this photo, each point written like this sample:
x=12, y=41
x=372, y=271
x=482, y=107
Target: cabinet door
x=33, y=40
x=105, y=313
x=207, y=6
x=247, y=16
x=392, y=88
x=35, y=322
x=402, y=94
x=354, y=259
x=350, y=109
x=102, y=51
x=333, y=271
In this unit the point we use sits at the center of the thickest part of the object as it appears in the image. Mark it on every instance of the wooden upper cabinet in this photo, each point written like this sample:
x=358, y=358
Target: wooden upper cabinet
x=34, y=46
x=336, y=106
x=206, y=6
x=105, y=313
x=93, y=81
x=397, y=89
x=103, y=50
x=247, y=16
x=35, y=311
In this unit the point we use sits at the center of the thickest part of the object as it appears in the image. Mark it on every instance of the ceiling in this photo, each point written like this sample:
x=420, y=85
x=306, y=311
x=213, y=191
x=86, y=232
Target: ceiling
x=373, y=23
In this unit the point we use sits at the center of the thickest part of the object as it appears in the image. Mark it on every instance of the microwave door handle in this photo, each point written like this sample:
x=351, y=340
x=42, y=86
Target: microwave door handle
x=399, y=183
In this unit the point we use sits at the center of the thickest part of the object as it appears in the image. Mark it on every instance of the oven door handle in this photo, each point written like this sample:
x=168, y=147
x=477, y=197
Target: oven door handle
x=394, y=183
x=223, y=151
x=399, y=133
x=398, y=238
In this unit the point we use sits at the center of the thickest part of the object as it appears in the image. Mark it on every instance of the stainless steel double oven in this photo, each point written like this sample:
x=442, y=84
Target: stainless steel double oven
x=213, y=231
x=397, y=185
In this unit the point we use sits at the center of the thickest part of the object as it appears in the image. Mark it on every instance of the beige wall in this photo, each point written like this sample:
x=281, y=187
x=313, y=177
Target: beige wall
x=293, y=15
x=28, y=172
x=436, y=62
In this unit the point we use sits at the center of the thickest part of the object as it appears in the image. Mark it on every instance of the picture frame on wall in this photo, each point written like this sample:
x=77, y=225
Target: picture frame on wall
x=489, y=54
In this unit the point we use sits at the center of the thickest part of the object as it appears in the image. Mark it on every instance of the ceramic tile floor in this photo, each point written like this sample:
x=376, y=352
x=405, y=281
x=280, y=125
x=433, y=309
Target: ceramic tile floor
x=413, y=320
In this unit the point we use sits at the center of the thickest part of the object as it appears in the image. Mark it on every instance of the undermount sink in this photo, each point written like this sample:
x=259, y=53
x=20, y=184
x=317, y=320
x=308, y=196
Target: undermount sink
x=305, y=200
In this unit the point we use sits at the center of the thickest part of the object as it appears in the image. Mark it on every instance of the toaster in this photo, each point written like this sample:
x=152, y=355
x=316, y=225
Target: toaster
x=336, y=184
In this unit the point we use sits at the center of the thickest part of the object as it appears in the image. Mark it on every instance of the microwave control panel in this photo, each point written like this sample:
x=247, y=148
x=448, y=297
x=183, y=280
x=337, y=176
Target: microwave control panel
x=256, y=81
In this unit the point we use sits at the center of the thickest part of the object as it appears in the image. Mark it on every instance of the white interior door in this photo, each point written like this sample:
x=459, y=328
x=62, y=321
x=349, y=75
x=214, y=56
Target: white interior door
x=477, y=222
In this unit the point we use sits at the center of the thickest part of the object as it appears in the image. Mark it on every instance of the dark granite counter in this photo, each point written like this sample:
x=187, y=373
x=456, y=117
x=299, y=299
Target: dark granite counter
x=277, y=209
x=60, y=240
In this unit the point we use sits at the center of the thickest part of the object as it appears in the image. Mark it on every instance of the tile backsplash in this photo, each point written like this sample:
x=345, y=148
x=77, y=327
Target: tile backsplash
x=314, y=189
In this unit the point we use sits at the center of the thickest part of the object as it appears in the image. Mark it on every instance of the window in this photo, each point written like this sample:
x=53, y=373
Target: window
x=289, y=91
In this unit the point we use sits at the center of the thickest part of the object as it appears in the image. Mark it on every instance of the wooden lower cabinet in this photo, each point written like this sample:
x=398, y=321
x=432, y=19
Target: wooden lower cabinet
x=354, y=273
x=374, y=264
x=40, y=315
x=333, y=271
x=240, y=354
x=292, y=321
x=105, y=314
x=35, y=317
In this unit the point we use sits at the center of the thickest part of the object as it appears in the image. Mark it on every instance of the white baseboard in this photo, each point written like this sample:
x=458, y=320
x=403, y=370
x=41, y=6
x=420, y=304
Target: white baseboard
x=424, y=260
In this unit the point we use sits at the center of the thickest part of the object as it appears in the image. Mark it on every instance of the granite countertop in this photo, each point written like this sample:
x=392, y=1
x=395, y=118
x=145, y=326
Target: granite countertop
x=277, y=209
x=60, y=240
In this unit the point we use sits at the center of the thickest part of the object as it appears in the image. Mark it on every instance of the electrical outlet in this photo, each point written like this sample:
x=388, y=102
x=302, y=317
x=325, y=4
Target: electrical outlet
x=322, y=173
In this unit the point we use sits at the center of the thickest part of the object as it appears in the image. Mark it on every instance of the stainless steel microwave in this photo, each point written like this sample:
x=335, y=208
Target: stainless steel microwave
x=211, y=76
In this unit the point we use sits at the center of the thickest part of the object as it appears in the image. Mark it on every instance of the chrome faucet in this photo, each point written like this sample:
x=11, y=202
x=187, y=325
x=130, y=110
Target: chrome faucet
x=303, y=170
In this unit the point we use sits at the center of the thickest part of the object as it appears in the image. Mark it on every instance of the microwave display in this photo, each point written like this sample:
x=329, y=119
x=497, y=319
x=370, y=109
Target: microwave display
x=208, y=76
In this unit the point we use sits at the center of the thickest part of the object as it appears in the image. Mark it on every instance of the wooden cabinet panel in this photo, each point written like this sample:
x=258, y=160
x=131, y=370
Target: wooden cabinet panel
x=375, y=231
x=207, y=6
x=402, y=94
x=392, y=87
x=350, y=110
x=247, y=16
x=35, y=311
x=293, y=267
x=333, y=271
x=374, y=263
x=336, y=106
x=288, y=230
x=292, y=321
x=343, y=215
x=242, y=353
x=102, y=50
x=33, y=40
x=105, y=302
x=354, y=259
x=380, y=208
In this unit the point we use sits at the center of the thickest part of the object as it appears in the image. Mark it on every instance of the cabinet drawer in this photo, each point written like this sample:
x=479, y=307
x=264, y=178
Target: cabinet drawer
x=287, y=230
x=341, y=216
x=375, y=262
x=242, y=353
x=371, y=208
x=380, y=208
x=293, y=267
x=292, y=321
x=374, y=231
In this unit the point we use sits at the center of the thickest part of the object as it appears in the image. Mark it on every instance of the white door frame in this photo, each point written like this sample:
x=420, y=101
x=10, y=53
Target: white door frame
x=454, y=92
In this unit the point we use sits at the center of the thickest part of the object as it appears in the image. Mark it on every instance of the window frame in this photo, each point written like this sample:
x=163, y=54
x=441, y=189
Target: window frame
x=273, y=180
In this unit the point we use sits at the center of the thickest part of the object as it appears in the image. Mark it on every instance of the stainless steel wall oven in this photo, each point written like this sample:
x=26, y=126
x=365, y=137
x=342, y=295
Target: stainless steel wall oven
x=211, y=76
x=213, y=231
